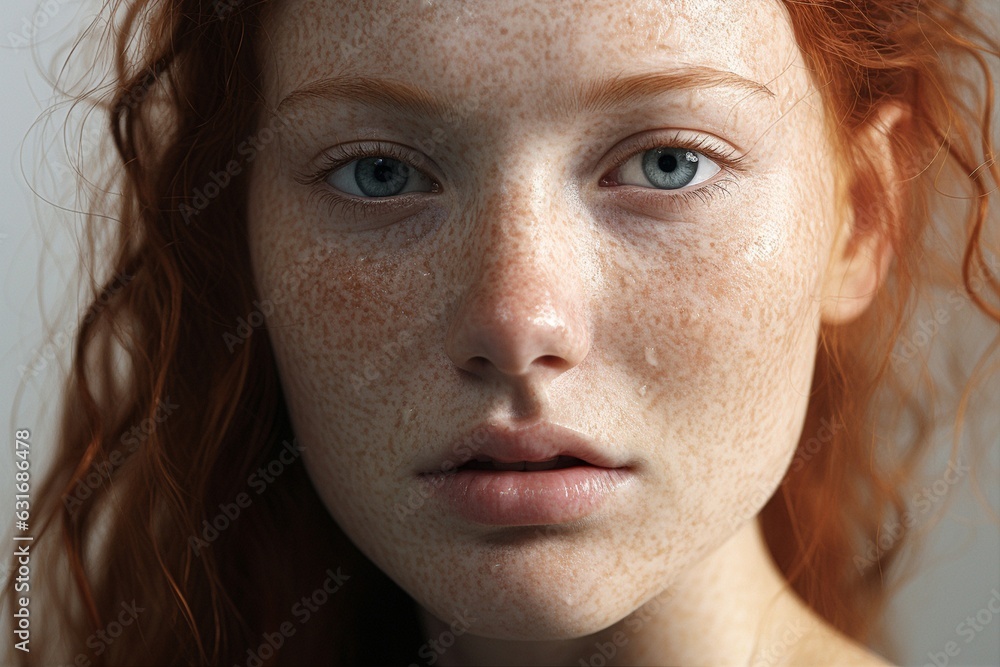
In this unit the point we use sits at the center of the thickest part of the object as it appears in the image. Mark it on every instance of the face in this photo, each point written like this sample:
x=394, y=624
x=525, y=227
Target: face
x=515, y=249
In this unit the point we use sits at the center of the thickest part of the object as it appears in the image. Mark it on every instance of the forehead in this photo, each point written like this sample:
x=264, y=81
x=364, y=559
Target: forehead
x=512, y=52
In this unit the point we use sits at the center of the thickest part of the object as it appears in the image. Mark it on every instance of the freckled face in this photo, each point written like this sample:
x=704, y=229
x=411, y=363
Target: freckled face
x=644, y=273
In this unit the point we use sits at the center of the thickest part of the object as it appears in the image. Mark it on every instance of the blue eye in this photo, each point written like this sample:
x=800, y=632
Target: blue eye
x=667, y=168
x=379, y=176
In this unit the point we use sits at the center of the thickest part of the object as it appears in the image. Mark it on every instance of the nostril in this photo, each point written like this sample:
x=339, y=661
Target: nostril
x=478, y=363
x=476, y=367
x=553, y=361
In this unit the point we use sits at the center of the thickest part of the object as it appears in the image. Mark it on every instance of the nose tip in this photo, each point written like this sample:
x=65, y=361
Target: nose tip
x=520, y=319
x=518, y=335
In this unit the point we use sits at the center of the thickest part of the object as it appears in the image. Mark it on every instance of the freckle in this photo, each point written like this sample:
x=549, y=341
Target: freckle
x=503, y=31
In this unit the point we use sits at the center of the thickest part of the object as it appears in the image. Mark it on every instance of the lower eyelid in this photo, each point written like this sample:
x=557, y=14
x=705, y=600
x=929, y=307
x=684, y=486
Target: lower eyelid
x=648, y=201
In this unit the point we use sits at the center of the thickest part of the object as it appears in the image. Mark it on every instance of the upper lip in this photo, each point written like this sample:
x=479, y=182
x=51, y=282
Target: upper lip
x=541, y=441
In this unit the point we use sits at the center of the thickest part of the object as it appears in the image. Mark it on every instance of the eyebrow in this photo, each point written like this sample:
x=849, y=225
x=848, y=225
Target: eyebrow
x=597, y=96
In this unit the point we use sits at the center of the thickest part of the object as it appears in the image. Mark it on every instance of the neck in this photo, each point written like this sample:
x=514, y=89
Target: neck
x=733, y=607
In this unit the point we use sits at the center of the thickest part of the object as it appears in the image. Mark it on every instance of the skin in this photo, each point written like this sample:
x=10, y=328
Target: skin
x=678, y=332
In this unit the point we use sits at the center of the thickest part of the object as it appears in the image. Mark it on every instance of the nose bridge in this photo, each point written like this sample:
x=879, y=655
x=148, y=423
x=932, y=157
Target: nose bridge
x=522, y=224
x=521, y=243
x=524, y=307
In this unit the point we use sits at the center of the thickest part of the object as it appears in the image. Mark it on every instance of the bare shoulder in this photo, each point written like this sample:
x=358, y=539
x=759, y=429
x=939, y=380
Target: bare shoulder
x=798, y=637
x=843, y=652
x=824, y=646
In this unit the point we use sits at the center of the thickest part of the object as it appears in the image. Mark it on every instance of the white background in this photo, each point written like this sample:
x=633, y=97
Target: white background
x=959, y=569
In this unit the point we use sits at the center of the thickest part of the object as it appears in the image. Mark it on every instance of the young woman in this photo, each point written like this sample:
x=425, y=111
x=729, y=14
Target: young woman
x=521, y=333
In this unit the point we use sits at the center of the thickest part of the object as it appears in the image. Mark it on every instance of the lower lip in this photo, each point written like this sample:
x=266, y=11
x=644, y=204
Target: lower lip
x=528, y=498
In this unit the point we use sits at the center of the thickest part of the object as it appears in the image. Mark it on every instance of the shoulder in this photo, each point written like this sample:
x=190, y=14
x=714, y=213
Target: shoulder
x=841, y=652
x=797, y=637
x=821, y=645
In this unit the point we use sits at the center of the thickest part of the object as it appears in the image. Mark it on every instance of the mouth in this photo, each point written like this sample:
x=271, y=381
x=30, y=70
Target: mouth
x=539, y=447
x=554, y=463
x=541, y=475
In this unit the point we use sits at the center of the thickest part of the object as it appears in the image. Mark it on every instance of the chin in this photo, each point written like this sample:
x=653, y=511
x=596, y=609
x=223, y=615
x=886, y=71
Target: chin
x=534, y=620
x=531, y=596
x=499, y=628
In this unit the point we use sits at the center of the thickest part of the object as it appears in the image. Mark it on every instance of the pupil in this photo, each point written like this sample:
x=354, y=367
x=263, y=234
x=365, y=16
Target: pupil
x=667, y=162
x=382, y=172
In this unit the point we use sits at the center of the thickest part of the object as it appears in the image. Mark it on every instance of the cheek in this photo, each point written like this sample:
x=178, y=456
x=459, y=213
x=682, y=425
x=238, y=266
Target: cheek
x=338, y=347
x=339, y=342
x=320, y=306
x=717, y=356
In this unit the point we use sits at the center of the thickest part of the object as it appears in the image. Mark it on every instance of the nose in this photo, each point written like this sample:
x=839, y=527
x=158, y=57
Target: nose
x=524, y=313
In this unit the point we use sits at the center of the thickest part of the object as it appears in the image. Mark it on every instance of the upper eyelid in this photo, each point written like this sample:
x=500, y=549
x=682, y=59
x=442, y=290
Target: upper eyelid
x=728, y=158
x=326, y=162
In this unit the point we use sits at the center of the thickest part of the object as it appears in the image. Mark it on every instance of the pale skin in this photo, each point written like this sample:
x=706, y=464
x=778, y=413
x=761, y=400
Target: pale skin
x=513, y=281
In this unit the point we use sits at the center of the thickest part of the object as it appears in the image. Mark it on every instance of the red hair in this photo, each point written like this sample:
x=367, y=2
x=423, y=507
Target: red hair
x=926, y=57
x=185, y=96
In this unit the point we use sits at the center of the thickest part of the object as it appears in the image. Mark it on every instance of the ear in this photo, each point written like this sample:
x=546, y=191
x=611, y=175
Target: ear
x=862, y=250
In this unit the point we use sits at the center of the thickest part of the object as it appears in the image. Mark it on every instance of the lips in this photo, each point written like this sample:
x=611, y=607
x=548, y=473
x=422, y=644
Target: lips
x=542, y=474
x=540, y=446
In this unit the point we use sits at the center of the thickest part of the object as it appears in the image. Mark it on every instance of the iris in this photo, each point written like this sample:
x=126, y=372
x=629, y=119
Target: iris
x=380, y=176
x=670, y=168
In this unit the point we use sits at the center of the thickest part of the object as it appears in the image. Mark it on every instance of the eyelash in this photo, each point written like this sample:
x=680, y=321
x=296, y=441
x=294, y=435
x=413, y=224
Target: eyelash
x=349, y=204
x=730, y=165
